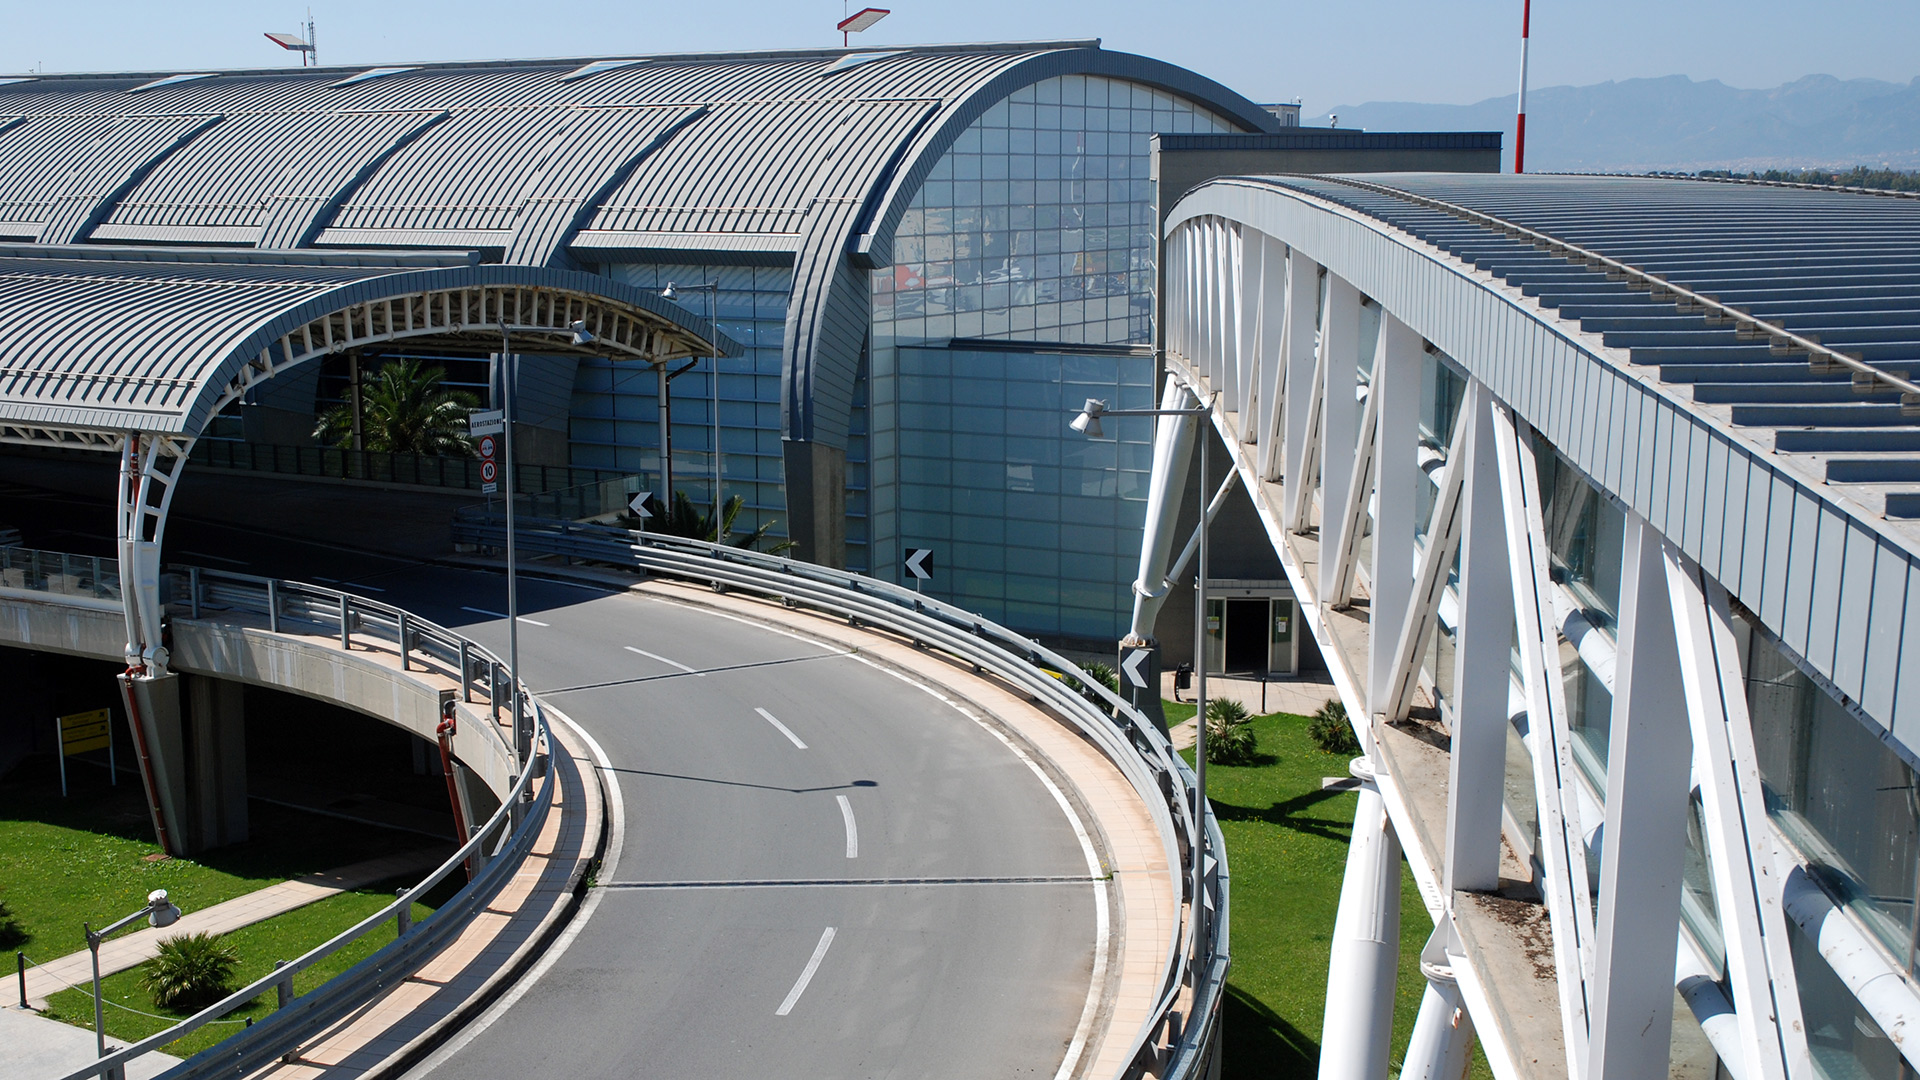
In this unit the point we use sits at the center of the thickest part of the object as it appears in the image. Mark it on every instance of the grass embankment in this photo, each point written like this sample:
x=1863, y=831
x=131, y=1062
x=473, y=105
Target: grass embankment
x=90, y=857
x=1286, y=848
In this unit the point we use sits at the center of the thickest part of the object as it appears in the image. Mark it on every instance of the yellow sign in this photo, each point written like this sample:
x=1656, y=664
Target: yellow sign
x=82, y=732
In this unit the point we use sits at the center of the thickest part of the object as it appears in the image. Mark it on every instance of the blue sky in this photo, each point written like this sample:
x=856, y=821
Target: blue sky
x=1328, y=53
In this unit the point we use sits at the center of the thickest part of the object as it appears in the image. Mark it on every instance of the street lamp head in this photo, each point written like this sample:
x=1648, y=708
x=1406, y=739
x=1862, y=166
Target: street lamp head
x=670, y=293
x=160, y=910
x=1088, y=422
x=581, y=335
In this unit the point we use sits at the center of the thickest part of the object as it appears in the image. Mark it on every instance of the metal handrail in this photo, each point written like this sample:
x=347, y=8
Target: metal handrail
x=1128, y=739
x=1822, y=358
x=310, y=1012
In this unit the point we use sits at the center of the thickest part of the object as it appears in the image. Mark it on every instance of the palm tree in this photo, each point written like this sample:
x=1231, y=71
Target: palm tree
x=404, y=408
x=681, y=519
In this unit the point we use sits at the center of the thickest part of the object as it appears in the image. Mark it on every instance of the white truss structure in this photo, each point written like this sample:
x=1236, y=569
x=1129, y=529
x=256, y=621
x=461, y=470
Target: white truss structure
x=1323, y=430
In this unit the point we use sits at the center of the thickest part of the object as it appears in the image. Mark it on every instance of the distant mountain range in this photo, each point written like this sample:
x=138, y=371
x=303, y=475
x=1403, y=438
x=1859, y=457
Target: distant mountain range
x=1677, y=123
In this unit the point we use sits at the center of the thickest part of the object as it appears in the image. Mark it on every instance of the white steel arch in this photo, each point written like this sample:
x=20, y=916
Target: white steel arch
x=1451, y=427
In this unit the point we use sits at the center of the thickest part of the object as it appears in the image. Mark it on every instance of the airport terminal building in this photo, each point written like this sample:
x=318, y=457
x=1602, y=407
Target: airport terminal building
x=923, y=255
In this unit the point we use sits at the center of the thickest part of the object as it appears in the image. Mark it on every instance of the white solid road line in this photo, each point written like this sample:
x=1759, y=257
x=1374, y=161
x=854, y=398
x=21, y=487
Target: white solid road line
x=853, y=832
x=784, y=730
x=813, y=965
x=497, y=614
x=670, y=663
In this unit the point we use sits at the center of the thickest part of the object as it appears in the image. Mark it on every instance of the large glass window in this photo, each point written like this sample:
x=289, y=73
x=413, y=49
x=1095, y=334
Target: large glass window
x=1037, y=226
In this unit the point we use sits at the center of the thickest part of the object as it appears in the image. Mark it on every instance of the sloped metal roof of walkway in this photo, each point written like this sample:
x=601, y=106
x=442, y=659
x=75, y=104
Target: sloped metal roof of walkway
x=96, y=342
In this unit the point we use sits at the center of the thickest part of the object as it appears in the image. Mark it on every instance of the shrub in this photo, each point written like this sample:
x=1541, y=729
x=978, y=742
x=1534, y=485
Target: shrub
x=190, y=971
x=1105, y=676
x=1329, y=728
x=1230, y=738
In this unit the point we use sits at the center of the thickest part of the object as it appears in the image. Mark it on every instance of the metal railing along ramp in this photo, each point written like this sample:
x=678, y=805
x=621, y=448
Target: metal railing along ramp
x=496, y=847
x=1198, y=956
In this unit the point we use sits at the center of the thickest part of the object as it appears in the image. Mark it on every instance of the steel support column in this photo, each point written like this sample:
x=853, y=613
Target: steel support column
x=1166, y=489
x=1339, y=420
x=1441, y=1045
x=1356, y=1036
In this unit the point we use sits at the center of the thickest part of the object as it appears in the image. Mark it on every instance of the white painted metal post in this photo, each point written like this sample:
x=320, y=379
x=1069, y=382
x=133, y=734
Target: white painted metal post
x=1339, y=419
x=1644, y=854
x=1482, y=646
x=1357, y=1034
x=1302, y=362
x=1166, y=488
x=1396, y=386
x=1442, y=1040
x=1270, y=361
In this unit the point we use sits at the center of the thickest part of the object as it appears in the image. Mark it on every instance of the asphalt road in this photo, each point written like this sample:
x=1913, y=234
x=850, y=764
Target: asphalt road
x=827, y=871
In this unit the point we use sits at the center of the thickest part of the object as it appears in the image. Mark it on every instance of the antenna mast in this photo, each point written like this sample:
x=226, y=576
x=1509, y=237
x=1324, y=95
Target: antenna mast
x=1520, y=131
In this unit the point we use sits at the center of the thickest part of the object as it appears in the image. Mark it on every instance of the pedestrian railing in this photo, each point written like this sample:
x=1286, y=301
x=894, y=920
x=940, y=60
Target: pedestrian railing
x=1198, y=956
x=496, y=847
x=59, y=572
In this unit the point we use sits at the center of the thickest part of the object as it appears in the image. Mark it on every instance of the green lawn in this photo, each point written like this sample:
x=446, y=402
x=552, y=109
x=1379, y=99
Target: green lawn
x=1286, y=847
x=283, y=937
x=84, y=858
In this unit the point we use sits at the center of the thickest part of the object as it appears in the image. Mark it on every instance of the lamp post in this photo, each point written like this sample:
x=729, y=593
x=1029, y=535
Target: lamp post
x=509, y=371
x=159, y=912
x=1088, y=423
x=712, y=289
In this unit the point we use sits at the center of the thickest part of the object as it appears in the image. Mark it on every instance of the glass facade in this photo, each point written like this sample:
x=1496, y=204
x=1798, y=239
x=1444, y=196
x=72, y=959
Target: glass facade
x=1037, y=227
x=616, y=405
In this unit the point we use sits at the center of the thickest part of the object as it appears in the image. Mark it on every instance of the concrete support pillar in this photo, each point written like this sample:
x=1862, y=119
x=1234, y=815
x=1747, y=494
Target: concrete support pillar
x=816, y=476
x=1339, y=419
x=153, y=712
x=1442, y=1042
x=1649, y=769
x=1357, y=1034
x=217, y=763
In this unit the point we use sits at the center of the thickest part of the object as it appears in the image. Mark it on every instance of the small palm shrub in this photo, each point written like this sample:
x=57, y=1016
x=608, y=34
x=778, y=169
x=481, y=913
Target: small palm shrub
x=190, y=971
x=1329, y=728
x=1230, y=738
x=1105, y=676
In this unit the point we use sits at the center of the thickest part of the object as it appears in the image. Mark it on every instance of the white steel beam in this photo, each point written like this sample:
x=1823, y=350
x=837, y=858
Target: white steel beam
x=1302, y=400
x=1166, y=487
x=1272, y=356
x=1339, y=419
x=1746, y=877
x=1394, y=401
x=1644, y=854
x=1400, y=672
x=1561, y=847
x=1483, y=643
x=1356, y=1036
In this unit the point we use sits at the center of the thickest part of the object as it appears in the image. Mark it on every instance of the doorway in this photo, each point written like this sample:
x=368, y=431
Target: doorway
x=1247, y=636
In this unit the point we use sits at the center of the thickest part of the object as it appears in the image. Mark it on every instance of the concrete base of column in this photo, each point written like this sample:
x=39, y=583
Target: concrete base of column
x=217, y=763
x=1357, y=1034
x=816, y=478
x=153, y=711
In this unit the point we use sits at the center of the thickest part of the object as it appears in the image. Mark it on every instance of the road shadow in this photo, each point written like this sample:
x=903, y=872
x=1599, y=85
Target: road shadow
x=1258, y=1043
x=848, y=786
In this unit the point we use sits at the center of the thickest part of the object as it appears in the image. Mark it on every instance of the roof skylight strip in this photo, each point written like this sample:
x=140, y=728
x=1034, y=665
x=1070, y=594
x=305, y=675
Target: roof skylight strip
x=597, y=67
x=170, y=80
x=371, y=74
x=854, y=60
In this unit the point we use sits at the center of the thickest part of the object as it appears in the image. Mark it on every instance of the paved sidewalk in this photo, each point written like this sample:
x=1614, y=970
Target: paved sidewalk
x=33, y=1047
x=131, y=950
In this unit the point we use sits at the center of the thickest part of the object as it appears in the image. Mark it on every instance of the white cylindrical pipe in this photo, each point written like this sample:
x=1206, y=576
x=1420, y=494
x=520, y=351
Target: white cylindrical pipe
x=1442, y=1034
x=1878, y=985
x=1357, y=1034
x=1172, y=454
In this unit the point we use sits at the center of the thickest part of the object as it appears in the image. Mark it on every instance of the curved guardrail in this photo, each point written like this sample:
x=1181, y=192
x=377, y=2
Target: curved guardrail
x=499, y=844
x=1198, y=956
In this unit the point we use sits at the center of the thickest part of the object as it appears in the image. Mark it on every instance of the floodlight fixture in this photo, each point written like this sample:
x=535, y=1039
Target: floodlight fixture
x=1088, y=422
x=581, y=335
x=860, y=20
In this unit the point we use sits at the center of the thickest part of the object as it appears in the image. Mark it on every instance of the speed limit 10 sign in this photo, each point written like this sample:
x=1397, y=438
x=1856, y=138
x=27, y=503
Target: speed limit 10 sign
x=489, y=474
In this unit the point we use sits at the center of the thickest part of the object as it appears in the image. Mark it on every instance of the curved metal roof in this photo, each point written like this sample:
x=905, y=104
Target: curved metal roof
x=104, y=345
x=1777, y=476
x=788, y=157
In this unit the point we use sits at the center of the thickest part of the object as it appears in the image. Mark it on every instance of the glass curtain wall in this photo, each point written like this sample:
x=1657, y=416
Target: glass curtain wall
x=616, y=407
x=1037, y=226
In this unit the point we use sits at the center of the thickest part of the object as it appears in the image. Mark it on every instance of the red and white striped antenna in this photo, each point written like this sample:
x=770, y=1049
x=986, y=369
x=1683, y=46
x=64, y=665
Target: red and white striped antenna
x=1520, y=131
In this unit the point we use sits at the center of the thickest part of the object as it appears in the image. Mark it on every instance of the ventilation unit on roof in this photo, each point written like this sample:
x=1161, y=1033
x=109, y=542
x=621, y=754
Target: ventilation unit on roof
x=370, y=75
x=597, y=67
x=170, y=80
x=854, y=60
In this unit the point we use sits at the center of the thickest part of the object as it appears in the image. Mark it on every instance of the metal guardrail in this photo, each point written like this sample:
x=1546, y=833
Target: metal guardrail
x=498, y=845
x=1198, y=955
x=60, y=572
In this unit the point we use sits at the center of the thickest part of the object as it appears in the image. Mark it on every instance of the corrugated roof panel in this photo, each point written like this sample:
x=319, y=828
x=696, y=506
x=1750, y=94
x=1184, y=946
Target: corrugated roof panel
x=468, y=173
x=116, y=161
x=222, y=178
x=351, y=146
x=35, y=158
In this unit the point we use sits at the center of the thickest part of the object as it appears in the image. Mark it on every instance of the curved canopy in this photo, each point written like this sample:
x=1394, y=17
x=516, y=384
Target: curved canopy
x=106, y=345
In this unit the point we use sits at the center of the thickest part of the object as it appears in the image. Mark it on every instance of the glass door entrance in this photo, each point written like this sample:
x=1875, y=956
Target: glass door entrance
x=1251, y=636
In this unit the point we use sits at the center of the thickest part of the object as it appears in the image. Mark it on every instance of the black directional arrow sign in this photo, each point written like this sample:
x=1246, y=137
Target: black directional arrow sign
x=1134, y=665
x=919, y=563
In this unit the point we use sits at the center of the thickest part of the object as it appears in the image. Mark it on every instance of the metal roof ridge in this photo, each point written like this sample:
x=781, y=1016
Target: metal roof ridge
x=339, y=70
